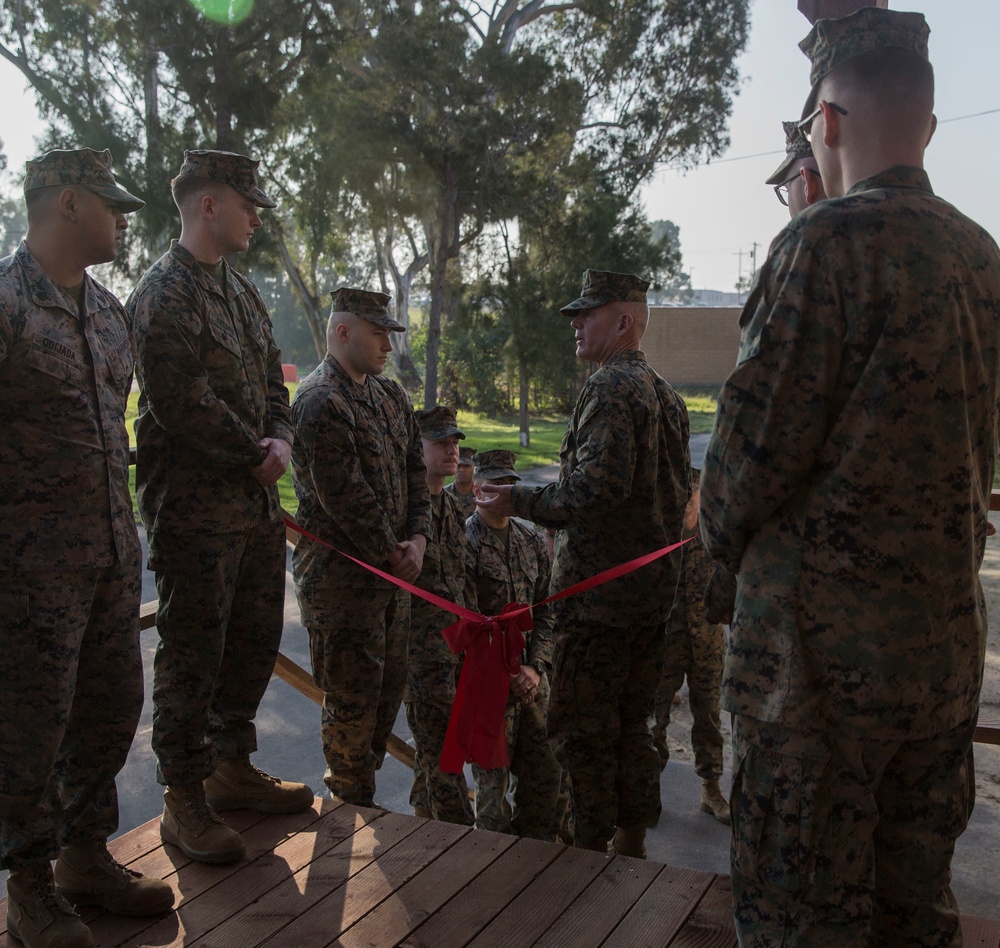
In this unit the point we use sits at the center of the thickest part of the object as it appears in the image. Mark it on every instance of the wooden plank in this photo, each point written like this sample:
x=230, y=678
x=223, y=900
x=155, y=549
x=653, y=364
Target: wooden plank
x=711, y=924
x=391, y=870
x=147, y=615
x=980, y=932
x=987, y=734
x=423, y=895
x=603, y=904
x=539, y=906
x=662, y=910
x=323, y=878
x=478, y=903
x=208, y=894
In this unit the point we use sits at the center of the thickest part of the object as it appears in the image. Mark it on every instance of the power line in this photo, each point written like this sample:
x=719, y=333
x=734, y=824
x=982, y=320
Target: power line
x=765, y=154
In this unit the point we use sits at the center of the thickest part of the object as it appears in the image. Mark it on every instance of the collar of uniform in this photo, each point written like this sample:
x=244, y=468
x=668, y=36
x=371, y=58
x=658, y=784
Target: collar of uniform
x=359, y=392
x=202, y=277
x=45, y=293
x=899, y=176
x=629, y=355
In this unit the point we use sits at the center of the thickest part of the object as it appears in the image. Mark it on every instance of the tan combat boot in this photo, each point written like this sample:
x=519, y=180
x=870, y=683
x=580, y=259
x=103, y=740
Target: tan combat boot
x=87, y=874
x=630, y=841
x=423, y=812
x=237, y=785
x=712, y=801
x=189, y=823
x=38, y=916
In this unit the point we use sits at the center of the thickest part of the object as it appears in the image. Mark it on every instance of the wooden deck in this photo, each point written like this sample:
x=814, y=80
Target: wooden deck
x=349, y=876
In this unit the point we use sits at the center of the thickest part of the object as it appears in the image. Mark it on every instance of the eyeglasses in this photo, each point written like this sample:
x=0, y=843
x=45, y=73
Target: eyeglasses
x=781, y=190
x=805, y=126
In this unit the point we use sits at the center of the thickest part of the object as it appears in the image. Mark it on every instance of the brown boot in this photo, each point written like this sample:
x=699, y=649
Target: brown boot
x=423, y=812
x=87, y=874
x=630, y=841
x=189, y=823
x=712, y=801
x=237, y=785
x=38, y=916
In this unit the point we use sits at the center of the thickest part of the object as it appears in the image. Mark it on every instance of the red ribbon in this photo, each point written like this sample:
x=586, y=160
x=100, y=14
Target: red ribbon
x=492, y=645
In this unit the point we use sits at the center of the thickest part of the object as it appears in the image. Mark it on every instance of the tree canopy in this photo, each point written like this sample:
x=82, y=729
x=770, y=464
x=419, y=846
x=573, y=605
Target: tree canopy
x=401, y=137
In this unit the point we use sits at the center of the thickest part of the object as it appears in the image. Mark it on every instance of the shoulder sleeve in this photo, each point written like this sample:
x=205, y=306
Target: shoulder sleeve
x=773, y=409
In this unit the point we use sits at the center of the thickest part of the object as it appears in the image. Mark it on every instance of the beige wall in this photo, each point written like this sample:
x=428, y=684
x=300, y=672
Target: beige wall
x=692, y=345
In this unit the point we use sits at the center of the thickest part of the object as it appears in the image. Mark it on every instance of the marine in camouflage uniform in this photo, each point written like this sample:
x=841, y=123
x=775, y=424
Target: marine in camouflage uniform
x=848, y=481
x=508, y=563
x=694, y=650
x=621, y=493
x=360, y=478
x=212, y=438
x=70, y=665
x=467, y=501
x=432, y=668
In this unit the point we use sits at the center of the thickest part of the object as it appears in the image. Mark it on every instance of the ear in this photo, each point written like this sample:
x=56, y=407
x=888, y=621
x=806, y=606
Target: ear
x=207, y=204
x=933, y=129
x=625, y=322
x=69, y=204
x=831, y=124
x=813, y=186
x=342, y=332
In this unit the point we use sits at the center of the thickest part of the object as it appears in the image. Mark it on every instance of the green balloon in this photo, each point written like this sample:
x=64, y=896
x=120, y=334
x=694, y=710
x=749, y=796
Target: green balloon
x=226, y=12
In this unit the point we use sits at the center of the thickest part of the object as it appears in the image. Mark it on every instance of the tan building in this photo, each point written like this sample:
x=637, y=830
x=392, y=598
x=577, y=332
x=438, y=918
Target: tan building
x=692, y=345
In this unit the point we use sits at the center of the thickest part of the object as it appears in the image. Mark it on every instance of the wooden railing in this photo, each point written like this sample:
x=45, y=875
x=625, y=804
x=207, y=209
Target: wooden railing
x=296, y=676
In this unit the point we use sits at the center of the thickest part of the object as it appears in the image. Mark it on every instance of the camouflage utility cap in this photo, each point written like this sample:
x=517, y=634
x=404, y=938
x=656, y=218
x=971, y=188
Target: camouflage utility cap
x=466, y=455
x=368, y=304
x=84, y=166
x=493, y=465
x=832, y=42
x=438, y=422
x=238, y=171
x=796, y=147
x=604, y=286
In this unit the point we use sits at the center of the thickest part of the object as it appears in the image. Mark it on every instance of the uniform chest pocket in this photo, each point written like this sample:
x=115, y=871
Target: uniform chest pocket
x=120, y=365
x=57, y=360
x=222, y=333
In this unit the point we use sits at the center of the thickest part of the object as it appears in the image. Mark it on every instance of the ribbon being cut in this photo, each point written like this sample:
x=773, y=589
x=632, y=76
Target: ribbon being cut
x=492, y=646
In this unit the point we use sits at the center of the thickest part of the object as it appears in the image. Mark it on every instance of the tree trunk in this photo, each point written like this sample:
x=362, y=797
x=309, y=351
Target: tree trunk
x=316, y=318
x=445, y=248
x=223, y=82
x=402, y=283
x=524, y=436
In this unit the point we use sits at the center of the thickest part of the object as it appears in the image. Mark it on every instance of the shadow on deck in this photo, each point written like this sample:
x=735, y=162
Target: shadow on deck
x=351, y=876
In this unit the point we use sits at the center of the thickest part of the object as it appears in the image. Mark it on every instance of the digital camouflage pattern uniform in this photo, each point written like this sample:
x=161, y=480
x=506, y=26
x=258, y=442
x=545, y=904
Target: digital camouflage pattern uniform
x=848, y=481
x=211, y=389
x=467, y=501
x=432, y=668
x=622, y=488
x=70, y=665
x=695, y=649
x=518, y=573
x=359, y=475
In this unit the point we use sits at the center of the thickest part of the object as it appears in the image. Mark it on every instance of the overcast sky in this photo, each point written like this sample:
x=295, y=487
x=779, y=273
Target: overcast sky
x=723, y=208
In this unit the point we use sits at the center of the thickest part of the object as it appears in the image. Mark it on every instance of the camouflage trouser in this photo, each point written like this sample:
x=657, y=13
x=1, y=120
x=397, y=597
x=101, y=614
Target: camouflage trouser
x=357, y=642
x=603, y=689
x=70, y=699
x=430, y=693
x=697, y=651
x=843, y=842
x=533, y=778
x=220, y=618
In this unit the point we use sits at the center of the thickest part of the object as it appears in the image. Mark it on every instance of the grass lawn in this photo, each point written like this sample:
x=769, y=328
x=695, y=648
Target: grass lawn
x=485, y=434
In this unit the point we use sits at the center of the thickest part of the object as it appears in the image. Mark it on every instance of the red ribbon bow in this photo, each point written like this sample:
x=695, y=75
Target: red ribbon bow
x=476, y=728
